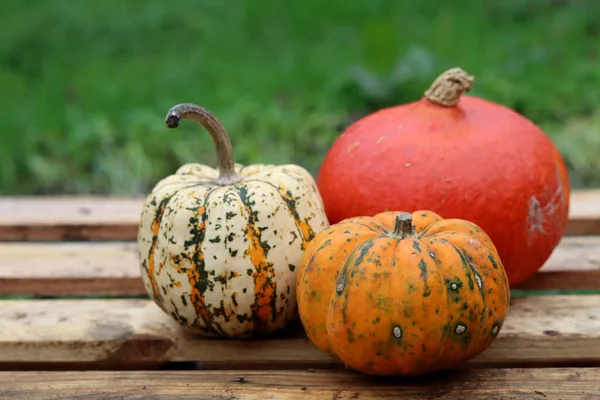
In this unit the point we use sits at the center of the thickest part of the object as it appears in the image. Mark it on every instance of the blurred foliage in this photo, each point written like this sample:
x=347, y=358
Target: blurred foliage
x=86, y=85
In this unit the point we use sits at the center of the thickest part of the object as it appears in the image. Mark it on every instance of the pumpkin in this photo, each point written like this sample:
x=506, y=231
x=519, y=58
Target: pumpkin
x=461, y=157
x=219, y=248
x=402, y=293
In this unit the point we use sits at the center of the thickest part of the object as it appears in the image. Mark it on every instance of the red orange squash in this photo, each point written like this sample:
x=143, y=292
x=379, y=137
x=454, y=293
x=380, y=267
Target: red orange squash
x=462, y=157
x=402, y=294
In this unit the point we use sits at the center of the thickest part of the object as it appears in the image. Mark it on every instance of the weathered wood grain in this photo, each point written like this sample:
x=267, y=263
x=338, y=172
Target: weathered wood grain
x=69, y=218
x=488, y=384
x=584, y=213
x=67, y=268
x=544, y=330
x=574, y=265
x=116, y=218
x=111, y=268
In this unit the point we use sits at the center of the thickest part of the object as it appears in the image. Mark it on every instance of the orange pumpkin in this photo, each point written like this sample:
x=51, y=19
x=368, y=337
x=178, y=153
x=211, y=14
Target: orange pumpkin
x=402, y=294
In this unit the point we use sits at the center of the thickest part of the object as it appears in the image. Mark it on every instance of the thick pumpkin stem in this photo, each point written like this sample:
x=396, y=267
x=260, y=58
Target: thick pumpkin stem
x=403, y=227
x=448, y=87
x=227, y=173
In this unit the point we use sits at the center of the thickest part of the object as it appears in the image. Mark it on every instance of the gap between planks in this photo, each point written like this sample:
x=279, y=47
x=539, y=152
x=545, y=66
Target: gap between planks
x=526, y=384
x=117, y=218
x=539, y=331
x=54, y=269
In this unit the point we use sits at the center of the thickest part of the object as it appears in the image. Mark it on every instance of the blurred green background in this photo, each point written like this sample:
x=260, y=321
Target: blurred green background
x=85, y=85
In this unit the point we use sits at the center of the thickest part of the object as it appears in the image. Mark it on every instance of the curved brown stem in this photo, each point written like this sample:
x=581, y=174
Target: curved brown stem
x=227, y=173
x=403, y=226
x=448, y=87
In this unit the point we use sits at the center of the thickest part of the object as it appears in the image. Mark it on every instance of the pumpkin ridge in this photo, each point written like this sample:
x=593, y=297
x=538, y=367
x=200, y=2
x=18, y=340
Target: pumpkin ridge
x=466, y=259
x=197, y=183
x=424, y=276
x=314, y=254
x=443, y=227
x=504, y=277
x=421, y=264
x=363, y=248
x=466, y=262
x=311, y=260
x=314, y=276
x=445, y=303
x=348, y=272
x=377, y=226
x=425, y=255
x=469, y=262
x=244, y=169
x=465, y=266
x=264, y=286
x=156, y=221
x=198, y=276
x=164, y=183
x=425, y=232
x=457, y=325
x=304, y=228
x=380, y=233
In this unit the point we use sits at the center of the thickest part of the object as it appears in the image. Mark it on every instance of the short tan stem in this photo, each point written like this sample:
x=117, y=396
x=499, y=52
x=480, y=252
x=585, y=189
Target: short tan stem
x=403, y=227
x=448, y=87
x=227, y=173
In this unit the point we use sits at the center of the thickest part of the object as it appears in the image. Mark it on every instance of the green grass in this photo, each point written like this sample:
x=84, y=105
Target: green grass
x=86, y=85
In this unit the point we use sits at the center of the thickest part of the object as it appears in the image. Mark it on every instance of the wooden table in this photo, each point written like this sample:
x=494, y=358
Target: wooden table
x=103, y=339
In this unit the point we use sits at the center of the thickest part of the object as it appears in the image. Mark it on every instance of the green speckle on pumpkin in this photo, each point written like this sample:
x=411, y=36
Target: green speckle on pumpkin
x=493, y=261
x=416, y=246
x=350, y=335
x=423, y=275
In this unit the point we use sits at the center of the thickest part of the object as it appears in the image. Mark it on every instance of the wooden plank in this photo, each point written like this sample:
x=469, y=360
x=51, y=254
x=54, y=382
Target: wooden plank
x=584, y=213
x=529, y=384
x=116, y=218
x=539, y=331
x=83, y=268
x=574, y=265
x=52, y=269
x=69, y=218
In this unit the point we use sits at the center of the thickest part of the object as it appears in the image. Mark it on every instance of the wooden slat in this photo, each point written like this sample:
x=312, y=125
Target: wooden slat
x=484, y=384
x=574, y=265
x=69, y=218
x=83, y=268
x=116, y=218
x=539, y=331
x=584, y=213
x=52, y=269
